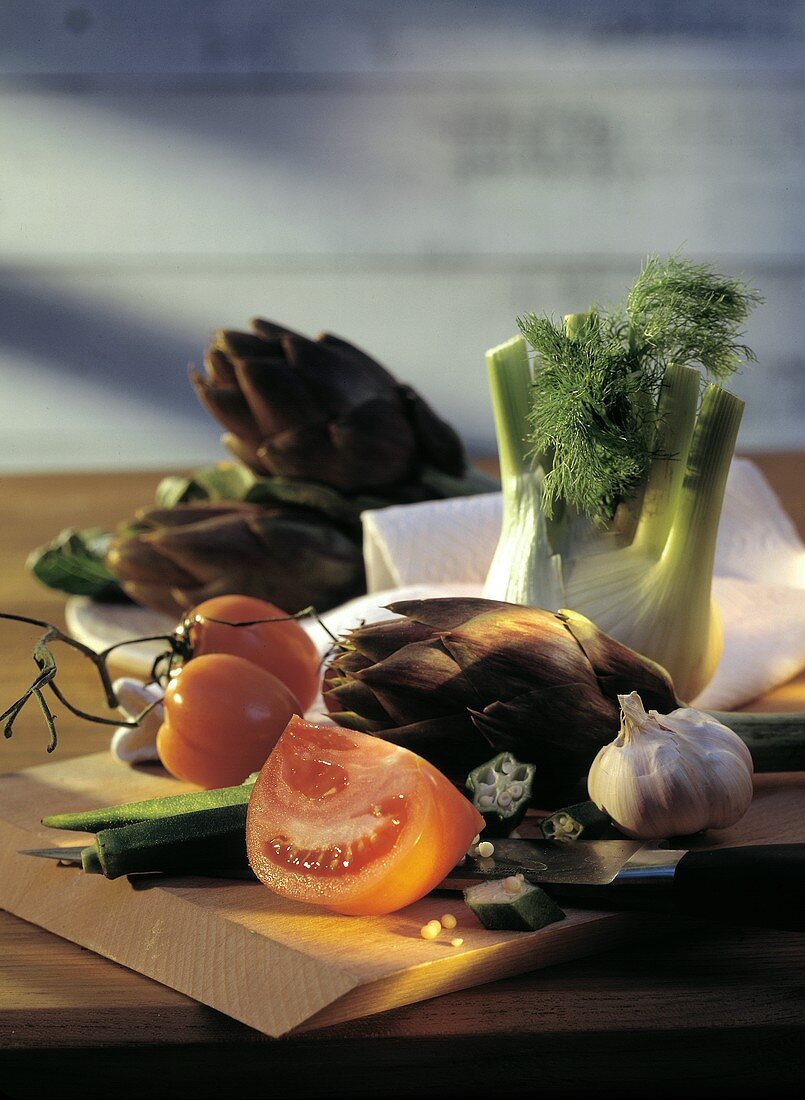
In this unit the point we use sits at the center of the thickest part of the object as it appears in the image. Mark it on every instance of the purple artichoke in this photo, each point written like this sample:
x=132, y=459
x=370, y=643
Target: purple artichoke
x=460, y=680
x=173, y=558
x=323, y=411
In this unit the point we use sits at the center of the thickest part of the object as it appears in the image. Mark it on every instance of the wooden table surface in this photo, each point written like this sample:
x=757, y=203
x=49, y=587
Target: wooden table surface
x=692, y=1010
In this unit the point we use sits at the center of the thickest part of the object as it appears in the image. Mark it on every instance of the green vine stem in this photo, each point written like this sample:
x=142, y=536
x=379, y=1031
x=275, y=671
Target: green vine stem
x=46, y=678
x=179, y=650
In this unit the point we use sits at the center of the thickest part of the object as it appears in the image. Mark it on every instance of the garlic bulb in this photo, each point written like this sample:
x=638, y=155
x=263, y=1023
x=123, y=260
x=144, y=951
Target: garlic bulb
x=671, y=775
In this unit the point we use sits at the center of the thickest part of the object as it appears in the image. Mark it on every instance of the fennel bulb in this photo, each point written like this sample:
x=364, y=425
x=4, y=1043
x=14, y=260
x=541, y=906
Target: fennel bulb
x=613, y=469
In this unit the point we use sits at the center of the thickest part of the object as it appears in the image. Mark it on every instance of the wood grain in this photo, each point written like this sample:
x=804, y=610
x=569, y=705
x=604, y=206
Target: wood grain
x=694, y=1011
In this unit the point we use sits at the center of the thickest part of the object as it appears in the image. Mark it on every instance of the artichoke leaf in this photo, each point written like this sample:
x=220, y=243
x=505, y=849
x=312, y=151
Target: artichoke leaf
x=471, y=483
x=221, y=481
x=234, y=481
x=73, y=563
x=310, y=494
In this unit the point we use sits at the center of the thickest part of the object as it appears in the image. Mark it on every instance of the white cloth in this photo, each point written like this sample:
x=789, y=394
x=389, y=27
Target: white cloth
x=445, y=547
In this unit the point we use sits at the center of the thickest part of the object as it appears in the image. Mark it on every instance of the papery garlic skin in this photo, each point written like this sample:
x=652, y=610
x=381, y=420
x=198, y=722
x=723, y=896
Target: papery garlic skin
x=671, y=775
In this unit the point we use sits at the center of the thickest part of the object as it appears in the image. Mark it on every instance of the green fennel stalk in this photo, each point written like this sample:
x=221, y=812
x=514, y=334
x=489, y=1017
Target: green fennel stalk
x=613, y=467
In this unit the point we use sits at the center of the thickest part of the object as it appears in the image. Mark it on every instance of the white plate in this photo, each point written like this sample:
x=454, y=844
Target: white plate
x=100, y=625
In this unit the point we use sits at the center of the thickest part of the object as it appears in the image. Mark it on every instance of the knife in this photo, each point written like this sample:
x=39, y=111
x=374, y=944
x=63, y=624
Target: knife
x=70, y=856
x=758, y=884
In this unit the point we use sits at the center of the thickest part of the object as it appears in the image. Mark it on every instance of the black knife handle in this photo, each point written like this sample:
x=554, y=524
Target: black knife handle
x=760, y=884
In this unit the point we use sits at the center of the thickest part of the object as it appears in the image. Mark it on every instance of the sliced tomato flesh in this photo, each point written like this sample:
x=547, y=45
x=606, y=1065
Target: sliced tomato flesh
x=344, y=820
x=337, y=859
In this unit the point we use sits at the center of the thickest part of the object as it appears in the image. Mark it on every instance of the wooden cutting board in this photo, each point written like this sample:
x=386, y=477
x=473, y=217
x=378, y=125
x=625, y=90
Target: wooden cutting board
x=271, y=963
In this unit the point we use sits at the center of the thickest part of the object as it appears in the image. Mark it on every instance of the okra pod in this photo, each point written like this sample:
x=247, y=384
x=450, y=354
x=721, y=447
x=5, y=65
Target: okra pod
x=775, y=740
x=151, y=809
x=192, y=843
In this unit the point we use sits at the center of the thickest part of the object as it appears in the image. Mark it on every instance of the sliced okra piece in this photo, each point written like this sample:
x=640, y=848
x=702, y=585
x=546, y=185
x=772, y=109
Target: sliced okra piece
x=501, y=792
x=512, y=905
x=584, y=819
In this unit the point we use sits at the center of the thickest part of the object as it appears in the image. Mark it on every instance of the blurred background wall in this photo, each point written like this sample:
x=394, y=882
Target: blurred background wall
x=409, y=175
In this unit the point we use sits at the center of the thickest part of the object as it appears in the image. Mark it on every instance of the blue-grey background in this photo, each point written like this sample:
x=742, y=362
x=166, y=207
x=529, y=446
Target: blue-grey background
x=410, y=175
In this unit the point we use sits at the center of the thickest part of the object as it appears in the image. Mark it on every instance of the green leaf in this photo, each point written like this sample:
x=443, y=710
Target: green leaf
x=73, y=563
x=686, y=313
x=234, y=481
x=225, y=481
x=590, y=413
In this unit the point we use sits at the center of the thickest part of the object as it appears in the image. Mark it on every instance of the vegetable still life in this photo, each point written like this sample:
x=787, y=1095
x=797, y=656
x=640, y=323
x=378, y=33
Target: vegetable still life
x=535, y=743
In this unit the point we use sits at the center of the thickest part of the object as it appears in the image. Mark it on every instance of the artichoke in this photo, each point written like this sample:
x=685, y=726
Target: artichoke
x=459, y=680
x=173, y=558
x=324, y=411
x=321, y=433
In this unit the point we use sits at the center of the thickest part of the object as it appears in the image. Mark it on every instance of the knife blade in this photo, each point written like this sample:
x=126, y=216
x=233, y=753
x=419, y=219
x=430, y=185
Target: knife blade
x=67, y=855
x=591, y=863
x=756, y=884
x=71, y=856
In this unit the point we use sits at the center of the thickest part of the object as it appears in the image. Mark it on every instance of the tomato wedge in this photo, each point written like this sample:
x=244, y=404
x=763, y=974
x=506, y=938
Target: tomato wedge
x=344, y=820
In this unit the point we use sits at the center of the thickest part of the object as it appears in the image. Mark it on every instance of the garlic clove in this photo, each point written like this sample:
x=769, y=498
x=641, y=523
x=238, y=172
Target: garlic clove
x=137, y=745
x=134, y=746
